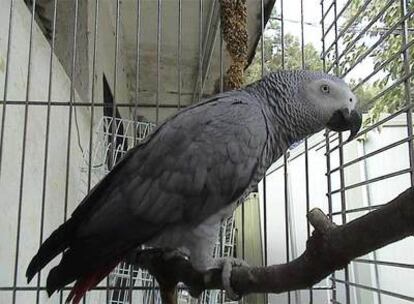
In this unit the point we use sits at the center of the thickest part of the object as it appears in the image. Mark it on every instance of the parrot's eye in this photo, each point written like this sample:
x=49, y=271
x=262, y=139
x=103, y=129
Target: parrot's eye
x=325, y=89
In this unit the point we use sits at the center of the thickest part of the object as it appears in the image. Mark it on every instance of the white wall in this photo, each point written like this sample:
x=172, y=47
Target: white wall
x=297, y=209
x=379, y=193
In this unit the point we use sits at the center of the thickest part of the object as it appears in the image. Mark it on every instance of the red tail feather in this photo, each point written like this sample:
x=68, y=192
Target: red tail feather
x=87, y=283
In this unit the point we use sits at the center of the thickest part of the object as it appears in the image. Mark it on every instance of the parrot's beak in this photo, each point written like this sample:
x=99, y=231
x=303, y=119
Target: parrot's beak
x=343, y=120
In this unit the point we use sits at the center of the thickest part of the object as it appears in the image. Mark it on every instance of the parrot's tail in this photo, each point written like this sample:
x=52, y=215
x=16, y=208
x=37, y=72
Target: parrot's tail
x=88, y=282
x=72, y=269
x=55, y=244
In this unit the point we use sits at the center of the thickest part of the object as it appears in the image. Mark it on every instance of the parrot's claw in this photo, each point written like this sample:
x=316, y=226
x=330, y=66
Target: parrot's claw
x=174, y=254
x=226, y=265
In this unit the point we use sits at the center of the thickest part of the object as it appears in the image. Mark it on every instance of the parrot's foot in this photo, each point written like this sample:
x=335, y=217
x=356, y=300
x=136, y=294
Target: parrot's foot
x=226, y=265
x=171, y=254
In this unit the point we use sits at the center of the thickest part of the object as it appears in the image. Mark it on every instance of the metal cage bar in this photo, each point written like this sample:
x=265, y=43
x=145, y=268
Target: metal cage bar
x=341, y=151
x=23, y=155
x=327, y=145
x=403, y=81
x=382, y=291
x=206, y=26
x=306, y=152
x=6, y=80
x=70, y=109
x=407, y=87
x=46, y=145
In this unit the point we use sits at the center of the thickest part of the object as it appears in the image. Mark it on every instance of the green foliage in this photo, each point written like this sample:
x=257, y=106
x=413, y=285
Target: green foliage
x=273, y=57
x=382, y=16
x=381, y=96
x=365, y=92
x=387, y=54
x=293, y=60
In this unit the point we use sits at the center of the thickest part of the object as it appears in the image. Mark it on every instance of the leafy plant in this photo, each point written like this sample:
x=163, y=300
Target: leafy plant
x=385, y=35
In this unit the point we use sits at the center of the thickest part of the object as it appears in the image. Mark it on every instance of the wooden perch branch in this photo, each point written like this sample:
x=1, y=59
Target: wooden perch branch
x=330, y=248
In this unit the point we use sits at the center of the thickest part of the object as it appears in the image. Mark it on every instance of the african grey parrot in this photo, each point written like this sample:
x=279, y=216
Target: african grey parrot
x=173, y=189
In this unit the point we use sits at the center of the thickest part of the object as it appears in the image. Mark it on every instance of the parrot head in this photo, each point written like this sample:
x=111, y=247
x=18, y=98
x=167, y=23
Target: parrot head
x=334, y=102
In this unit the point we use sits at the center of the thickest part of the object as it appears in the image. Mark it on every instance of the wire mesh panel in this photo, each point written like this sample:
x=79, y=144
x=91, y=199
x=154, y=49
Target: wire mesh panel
x=128, y=133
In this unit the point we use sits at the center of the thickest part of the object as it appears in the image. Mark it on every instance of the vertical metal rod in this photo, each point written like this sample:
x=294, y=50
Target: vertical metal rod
x=308, y=226
x=243, y=210
x=369, y=200
x=200, y=55
x=137, y=68
x=282, y=33
x=262, y=27
x=285, y=157
x=71, y=101
x=343, y=208
x=135, y=117
x=221, y=60
x=262, y=74
x=131, y=283
x=114, y=124
x=328, y=157
x=221, y=255
x=335, y=7
x=92, y=100
x=407, y=87
x=243, y=214
x=6, y=80
x=307, y=192
x=329, y=196
x=221, y=91
x=93, y=95
x=157, y=98
x=180, y=24
x=207, y=53
x=323, y=38
x=23, y=157
x=302, y=35
x=46, y=146
x=341, y=153
x=287, y=215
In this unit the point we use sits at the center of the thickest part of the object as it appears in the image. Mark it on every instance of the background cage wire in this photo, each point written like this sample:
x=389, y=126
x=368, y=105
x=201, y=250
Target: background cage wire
x=58, y=136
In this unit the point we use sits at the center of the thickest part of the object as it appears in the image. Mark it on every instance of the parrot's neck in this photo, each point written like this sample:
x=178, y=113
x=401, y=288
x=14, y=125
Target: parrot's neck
x=287, y=119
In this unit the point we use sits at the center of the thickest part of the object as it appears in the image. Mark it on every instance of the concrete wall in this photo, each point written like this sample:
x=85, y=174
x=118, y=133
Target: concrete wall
x=32, y=184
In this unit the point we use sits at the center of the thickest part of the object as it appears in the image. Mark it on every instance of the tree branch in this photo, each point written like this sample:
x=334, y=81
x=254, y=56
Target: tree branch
x=330, y=248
